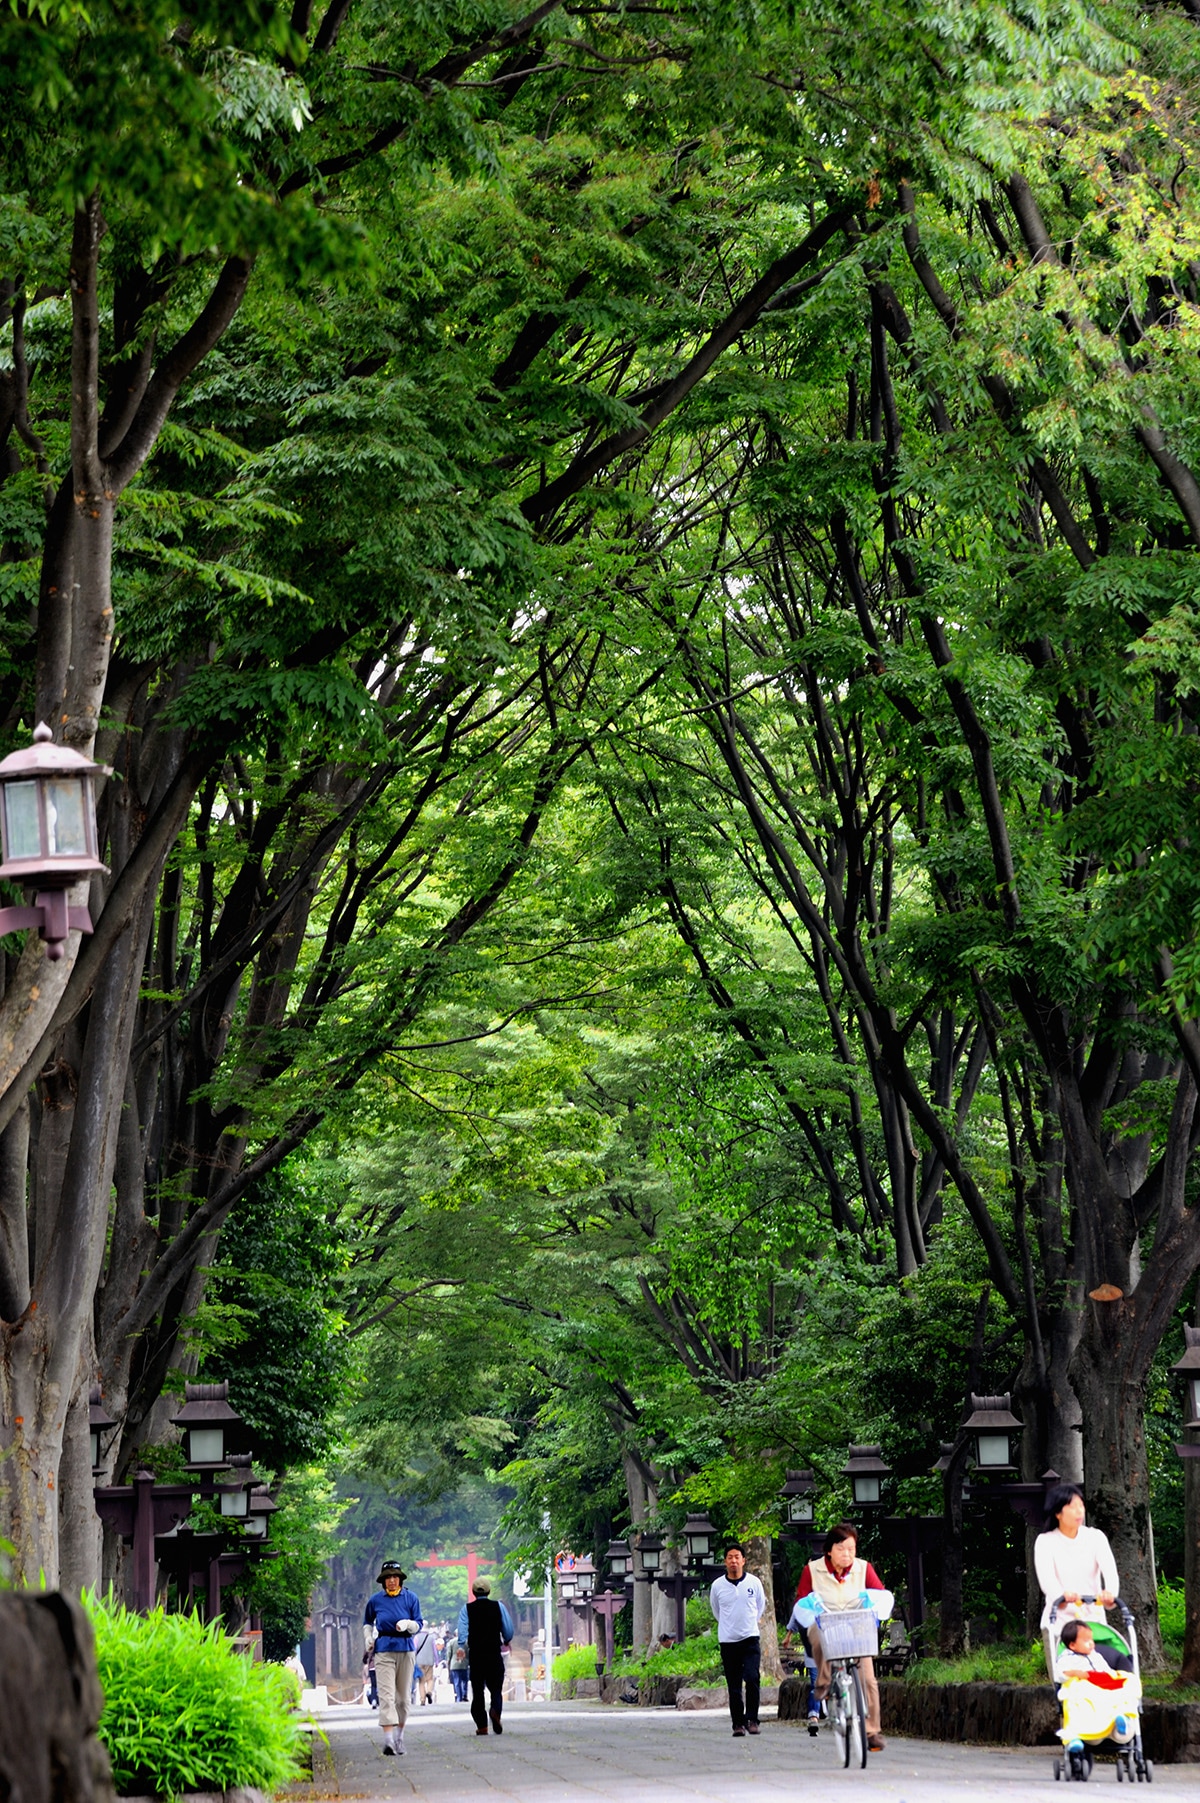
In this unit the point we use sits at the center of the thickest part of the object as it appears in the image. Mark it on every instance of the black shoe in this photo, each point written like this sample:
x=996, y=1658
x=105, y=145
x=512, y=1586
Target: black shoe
x=496, y=1724
x=739, y=1734
x=752, y=1728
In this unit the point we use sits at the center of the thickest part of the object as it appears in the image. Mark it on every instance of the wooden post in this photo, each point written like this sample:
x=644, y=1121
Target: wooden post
x=1189, y=1452
x=143, y=1543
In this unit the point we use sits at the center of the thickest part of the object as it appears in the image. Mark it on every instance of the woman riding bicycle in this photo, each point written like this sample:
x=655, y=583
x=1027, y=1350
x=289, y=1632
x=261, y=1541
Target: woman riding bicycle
x=841, y=1580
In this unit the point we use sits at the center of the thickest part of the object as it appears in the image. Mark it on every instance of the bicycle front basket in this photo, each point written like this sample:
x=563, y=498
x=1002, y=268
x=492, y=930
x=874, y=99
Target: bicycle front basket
x=850, y=1634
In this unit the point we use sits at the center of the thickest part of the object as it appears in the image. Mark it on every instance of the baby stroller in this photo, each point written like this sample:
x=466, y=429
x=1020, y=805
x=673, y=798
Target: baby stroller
x=1093, y=1709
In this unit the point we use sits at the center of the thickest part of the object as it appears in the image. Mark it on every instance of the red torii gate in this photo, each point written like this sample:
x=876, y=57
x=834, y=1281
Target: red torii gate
x=470, y=1559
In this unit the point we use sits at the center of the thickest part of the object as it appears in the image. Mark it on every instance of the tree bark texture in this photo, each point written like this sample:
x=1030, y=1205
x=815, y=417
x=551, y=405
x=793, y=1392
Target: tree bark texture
x=758, y=1560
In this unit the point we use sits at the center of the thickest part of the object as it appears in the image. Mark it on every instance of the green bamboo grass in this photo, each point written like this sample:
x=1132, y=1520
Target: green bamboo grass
x=183, y=1711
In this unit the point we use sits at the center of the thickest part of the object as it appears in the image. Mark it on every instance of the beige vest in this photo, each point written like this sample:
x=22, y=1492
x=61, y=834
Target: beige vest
x=832, y=1595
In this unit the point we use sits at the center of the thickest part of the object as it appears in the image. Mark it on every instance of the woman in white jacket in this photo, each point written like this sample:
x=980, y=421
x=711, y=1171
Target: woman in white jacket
x=1072, y=1561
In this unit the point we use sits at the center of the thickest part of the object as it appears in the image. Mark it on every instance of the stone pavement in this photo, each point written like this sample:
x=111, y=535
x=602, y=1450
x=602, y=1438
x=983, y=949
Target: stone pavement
x=580, y=1753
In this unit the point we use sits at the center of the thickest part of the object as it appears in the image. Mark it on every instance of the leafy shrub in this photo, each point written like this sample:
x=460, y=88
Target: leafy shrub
x=184, y=1711
x=698, y=1657
x=698, y=1618
x=990, y=1665
x=576, y=1662
x=1171, y=1615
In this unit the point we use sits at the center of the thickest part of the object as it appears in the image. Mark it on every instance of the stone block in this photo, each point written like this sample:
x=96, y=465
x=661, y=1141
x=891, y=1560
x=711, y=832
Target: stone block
x=700, y=1699
x=49, y=1750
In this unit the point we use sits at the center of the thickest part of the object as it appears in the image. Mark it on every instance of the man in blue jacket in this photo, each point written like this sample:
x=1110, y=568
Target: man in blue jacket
x=391, y=1618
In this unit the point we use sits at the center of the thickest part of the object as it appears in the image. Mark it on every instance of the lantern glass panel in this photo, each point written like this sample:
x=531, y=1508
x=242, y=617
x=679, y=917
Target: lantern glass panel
x=698, y=1546
x=619, y=1564
x=650, y=1558
x=66, y=823
x=993, y=1450
x=566, y=1589
x=95, y=1439
x=22, y=836
x=256, y=1527
x=234, y=1502
x=1194, y=1388
x=206, y=1445
x=800, y=1509
x=866, y=1489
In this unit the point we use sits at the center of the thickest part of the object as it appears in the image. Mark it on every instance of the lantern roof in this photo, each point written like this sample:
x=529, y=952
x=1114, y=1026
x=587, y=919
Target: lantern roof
x=798, y=1483
x=1191, y=1358
x=98, y=1415
x=991, y=1412
x=261, y=1501
x=205, y=1405
x=866, y=1461
x=44, y=758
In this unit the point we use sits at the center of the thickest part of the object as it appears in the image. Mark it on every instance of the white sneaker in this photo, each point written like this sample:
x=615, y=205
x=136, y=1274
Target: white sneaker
x=398, y=1743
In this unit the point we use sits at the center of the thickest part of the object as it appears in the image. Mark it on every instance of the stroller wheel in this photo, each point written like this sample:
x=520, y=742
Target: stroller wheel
x=1120, y=1769
x=1057, y=1770
x=1149, y=1770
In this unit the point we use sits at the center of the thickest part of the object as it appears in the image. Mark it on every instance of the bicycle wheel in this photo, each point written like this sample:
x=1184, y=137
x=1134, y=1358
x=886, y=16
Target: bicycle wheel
x=857, y=1737
x=839, y=1706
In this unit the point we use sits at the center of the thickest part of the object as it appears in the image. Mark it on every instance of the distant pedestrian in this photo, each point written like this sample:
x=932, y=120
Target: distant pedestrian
x=370, y=1688
x=739, y=1603
x=486, y=1627
x=456, y=1659
x=424, y=1661
x=391, y=1618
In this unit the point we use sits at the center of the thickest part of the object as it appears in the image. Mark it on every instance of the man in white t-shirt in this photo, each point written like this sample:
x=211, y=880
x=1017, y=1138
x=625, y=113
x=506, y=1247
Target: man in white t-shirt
x=738, y=1602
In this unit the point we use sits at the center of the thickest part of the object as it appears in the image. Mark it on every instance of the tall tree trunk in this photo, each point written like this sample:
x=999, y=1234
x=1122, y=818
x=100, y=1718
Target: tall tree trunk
x=41, y=1353
x=1112, y=1392
x=638, y=1492
x=78, y=1523
x=758, y=1560
x=33, y=1406
x=1189, y=1670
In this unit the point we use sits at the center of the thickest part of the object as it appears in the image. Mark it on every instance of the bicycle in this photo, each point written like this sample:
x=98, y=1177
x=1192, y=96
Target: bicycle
x=846, y=1637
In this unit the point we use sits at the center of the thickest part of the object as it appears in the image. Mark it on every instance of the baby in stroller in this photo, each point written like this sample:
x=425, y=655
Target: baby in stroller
x=1098, y=1702
x=1100, y=1690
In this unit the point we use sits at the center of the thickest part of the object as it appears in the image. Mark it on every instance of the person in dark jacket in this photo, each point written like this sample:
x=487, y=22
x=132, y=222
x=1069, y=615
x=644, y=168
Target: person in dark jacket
x=391, y=1618
x=485, y=1661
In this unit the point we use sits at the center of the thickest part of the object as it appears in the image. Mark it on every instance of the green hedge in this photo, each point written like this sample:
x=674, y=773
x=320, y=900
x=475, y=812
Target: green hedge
x=576, y=1662
x=697, y=1657
x=184, y=1711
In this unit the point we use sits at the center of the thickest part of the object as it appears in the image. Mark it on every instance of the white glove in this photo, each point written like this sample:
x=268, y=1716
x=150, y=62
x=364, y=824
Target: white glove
x=369, y=1633
x=881, y=1601
x=408, y=1626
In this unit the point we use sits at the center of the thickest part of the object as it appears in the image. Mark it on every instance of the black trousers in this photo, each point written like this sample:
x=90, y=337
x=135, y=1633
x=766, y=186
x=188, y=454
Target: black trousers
x=489, y=1676
x=740, y=1659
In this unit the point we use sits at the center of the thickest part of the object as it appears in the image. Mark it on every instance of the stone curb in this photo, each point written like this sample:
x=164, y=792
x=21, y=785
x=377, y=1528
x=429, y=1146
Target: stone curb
x=242, y=1794
x=675, y=1692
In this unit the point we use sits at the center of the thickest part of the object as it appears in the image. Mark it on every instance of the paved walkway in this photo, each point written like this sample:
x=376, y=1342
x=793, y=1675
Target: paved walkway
x=580, y=1753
